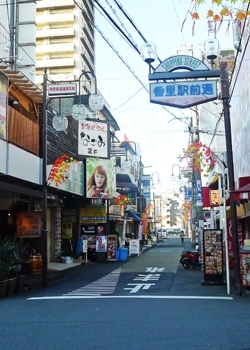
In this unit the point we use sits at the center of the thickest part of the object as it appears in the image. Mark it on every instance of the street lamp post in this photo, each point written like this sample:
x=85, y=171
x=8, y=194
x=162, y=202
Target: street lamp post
x=173, y=176
x=44, y=185
x=96, y=103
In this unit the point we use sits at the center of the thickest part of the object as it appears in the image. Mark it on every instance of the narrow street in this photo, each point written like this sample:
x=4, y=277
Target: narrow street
x=148, y=302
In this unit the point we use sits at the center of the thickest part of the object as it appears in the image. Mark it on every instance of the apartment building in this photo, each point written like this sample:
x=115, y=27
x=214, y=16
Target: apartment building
x=65, y=41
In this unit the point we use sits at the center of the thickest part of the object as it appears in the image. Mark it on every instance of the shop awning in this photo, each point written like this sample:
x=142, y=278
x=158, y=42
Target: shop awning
x=124, y=184
x=125, y=187
x=133, y=216
x=242, y=193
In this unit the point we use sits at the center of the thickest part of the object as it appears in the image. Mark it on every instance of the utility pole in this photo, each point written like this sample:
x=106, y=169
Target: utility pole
x=197, y=187
x=226, y=110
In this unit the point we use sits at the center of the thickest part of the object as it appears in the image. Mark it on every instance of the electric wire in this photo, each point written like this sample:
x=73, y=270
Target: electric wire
x=121, y=23
x=119, y=55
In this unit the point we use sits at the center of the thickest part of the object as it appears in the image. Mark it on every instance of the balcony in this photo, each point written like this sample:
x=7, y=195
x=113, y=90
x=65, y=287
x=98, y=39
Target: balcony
x=45, y=4
x=88, y=61
x=89, y=33
x=88, y=46
x=56, y=63
x=57, y=18
x=55, y=33
x=55, y=48
x=89, y=8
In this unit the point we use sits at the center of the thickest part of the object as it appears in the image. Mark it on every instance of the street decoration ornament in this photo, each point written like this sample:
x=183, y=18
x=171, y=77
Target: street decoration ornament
x=59, y=171
x=122, y=200
x=199, y=156
x=186, y=210
x=217, y=13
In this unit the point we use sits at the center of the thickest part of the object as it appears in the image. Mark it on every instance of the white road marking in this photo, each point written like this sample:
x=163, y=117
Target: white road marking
x=105, y=285
x=60, y=297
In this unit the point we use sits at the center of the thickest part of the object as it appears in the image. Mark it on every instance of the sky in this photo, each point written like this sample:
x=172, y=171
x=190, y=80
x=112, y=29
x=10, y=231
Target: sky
x=161, y=136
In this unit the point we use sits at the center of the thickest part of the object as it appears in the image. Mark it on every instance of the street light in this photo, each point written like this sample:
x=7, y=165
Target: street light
x=126, y=148
x=173, y=176
x=95, y=102
x=158, y=182
x=77, y=116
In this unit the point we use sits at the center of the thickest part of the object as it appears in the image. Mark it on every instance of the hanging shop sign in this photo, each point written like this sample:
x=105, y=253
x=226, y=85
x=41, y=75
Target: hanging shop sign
x=118, y=151
x=189, y=82
x=199, y=202
x=93, y=139
x=62, y=89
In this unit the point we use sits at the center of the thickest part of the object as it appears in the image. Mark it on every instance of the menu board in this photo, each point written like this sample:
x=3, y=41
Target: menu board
x=29, y=224
x=101, y=244
x=112, y=248
x=134, y=246
x=245, y=267
x=213, y=255
x=91, y=241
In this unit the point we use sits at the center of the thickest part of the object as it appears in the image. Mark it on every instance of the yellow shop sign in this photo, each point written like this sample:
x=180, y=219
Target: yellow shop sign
x=93, y=215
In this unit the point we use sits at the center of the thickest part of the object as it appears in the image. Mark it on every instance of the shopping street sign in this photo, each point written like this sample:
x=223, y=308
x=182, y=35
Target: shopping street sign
x=183, y=94
x=183, y=81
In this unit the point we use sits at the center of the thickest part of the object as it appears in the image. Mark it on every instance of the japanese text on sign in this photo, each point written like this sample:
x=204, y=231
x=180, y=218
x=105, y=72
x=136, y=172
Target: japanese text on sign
x=184, y=89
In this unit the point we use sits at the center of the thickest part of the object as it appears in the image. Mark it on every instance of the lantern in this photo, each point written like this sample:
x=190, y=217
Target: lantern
x=60, y=123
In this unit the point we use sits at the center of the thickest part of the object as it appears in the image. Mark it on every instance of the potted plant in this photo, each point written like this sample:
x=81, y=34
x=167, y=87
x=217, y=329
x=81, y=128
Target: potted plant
x=3, y=277
x=12, y=255
x=21, y=254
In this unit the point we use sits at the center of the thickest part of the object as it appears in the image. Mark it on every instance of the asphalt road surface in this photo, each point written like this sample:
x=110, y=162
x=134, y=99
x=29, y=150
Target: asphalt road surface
x=147, y=302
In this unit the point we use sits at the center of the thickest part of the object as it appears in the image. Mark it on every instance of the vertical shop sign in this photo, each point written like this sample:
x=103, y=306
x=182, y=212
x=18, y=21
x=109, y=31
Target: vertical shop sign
x=93, y=139
x=198, y=193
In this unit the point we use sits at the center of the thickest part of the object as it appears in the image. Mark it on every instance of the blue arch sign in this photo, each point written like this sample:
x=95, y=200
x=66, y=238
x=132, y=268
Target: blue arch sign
x=183, y=81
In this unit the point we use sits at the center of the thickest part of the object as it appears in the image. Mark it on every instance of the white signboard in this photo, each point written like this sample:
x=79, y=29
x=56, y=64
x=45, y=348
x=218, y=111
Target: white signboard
x=183, y=94
x=118, y=151
x=134, y=246
x=62, y=89
x=93, y=139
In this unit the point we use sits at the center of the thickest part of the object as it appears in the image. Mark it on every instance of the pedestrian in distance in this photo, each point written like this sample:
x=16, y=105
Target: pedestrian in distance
x=182, y=237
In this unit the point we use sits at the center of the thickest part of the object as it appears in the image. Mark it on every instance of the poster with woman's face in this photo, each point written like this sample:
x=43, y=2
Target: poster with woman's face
x=99, y=178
